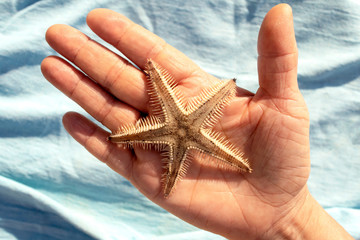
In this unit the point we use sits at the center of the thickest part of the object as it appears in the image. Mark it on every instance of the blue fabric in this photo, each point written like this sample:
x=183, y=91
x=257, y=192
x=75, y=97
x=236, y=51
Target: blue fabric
x=51, y=188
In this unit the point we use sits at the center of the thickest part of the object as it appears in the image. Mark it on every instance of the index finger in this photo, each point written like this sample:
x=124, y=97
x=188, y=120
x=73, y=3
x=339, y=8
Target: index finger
x=139, y=44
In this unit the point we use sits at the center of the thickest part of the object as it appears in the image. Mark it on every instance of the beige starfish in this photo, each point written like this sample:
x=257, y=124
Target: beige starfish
x=177, y=127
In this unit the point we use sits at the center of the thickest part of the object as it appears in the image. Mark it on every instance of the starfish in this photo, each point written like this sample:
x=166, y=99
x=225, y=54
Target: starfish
x=177, y=127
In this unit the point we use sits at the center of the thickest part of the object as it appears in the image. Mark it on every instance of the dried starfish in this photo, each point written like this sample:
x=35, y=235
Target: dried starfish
x=177, y=127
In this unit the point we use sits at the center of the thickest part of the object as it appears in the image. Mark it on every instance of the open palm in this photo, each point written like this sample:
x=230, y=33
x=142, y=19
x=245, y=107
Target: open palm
x=271, y=126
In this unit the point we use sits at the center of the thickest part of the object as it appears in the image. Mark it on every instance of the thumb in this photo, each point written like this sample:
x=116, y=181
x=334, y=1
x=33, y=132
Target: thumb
x=277, y=61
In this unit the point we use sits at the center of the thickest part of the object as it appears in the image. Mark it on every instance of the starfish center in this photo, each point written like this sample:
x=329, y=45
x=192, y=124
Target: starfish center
x=181, y=132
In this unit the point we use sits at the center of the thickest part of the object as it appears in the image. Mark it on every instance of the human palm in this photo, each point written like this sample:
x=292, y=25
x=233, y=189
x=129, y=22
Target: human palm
x=270, y=126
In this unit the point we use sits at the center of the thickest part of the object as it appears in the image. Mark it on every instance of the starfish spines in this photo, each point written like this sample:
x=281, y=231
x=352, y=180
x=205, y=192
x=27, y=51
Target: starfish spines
x=143, y=125
x=217, y=112
x=233, y=155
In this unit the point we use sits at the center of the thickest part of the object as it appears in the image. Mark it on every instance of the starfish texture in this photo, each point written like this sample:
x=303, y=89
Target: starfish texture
x=177, y=127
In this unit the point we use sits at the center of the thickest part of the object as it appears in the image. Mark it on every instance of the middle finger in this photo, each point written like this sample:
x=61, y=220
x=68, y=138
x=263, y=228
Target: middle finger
x=100, y=64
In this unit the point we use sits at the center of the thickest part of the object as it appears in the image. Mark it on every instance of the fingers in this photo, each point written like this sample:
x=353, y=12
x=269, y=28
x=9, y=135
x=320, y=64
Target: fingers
x=139, y=44
x=95, y=100
x=94, y=139
x=102, y=65
x=277, y=61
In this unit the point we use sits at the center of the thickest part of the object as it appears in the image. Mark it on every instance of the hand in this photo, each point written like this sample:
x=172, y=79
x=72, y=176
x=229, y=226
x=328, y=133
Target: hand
x=271, y=125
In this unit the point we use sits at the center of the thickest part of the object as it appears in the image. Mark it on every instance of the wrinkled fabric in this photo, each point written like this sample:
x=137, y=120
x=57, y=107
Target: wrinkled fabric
x=51, y=188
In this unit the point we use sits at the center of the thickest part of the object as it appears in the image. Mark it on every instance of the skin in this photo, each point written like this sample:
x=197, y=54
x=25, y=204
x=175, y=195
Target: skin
x=271, y=126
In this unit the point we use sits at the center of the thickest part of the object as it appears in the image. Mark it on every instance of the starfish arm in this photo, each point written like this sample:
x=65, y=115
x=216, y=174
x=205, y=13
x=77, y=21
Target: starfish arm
x=213, y=101
x=217, y=146
x=177, y=165
x=149, y=128
x=164, y=97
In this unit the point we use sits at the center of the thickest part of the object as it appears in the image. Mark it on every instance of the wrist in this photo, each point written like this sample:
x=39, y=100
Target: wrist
x=309, y=221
